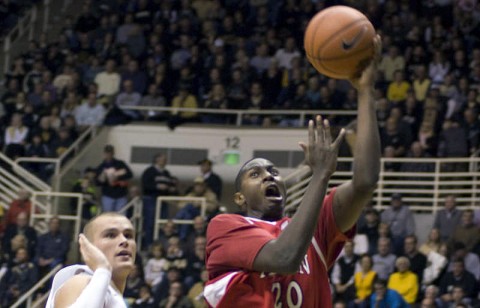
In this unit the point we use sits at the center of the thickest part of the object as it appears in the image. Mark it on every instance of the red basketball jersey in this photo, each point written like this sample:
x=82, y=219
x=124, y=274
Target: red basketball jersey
x=233, y=242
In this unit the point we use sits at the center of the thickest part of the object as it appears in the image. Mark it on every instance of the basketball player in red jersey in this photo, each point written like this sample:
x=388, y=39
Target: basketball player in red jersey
x=264, y=259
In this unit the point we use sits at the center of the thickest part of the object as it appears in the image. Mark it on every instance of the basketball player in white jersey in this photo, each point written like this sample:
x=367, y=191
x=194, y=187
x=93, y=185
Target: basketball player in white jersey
x=108, y=248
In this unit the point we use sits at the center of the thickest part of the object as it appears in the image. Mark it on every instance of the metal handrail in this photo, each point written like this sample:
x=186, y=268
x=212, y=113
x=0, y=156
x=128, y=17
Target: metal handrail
x=160, y=204
x=90, y=132
x=28, y=296
x=426, y=195
x=240, y=112
x=25, y=174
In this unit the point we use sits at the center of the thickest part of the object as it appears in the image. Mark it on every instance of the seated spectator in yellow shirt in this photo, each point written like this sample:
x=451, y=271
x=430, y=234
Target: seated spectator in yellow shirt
x=363, y=279
x=398, y=88
x=404, y=281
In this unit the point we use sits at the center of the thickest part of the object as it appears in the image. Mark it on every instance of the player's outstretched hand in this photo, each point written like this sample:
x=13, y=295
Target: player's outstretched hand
x=93, y=257
x=365, y=79
x=321, y=152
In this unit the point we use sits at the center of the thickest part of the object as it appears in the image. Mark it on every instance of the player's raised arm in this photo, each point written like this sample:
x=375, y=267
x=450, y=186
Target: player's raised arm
x=284, y=254
x=353, y=195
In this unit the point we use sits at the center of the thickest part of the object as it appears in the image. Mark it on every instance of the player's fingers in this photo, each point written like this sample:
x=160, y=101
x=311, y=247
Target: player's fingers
x=320, y=130
x=327, y=132
x=311, y=133
x=303, y=146
x=339, y=139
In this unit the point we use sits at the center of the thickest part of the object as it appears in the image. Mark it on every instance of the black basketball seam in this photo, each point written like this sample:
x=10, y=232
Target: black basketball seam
x=312, y=39
x=331, y=37
x=342, y=57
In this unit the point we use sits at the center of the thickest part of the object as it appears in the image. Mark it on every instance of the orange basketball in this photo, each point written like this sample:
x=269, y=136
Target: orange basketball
x=338, y=40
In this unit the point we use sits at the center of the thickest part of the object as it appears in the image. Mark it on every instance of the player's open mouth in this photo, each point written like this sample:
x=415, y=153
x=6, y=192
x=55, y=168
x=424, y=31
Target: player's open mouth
x=124, y=253
x=272, y=192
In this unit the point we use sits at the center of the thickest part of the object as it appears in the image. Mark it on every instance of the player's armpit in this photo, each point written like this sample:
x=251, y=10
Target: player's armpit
x=71, y=290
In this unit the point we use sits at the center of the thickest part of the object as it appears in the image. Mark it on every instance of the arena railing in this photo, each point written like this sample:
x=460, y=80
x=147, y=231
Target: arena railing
x=14, y=177
x=422, y=191
x=60, y=161
x=28, y=296
x=34, y=21
x=239, y=113
x=172, y=203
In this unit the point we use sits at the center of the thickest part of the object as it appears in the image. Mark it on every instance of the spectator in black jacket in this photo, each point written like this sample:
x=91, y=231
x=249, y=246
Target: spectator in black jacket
x=213, y=180
x=458, y=277
x=113, y=175
x=156, y=181
x=21, y=228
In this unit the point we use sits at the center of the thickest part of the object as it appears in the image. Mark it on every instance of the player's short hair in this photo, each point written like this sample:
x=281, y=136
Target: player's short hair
x=88, y=228
x=241, y=172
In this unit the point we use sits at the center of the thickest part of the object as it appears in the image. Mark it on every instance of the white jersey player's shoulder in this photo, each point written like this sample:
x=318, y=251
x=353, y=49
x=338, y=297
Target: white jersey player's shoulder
x=113, y=298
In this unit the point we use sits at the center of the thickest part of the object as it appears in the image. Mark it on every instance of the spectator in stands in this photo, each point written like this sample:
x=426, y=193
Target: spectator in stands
x=113, y=176
x=438, y=67
x=421, y=83
x=453, y=143
x=392, y=136
x=404, y=281
x=199, y=229
x=370, y=229
x=418, y=261
x=34, y=76
x=86, y=186
x=363, y=281
x=448, y=218
x=155, y=267
x=20, y=205
x=458, y=277
x=129, y=98
x=156, y=182
x=176, y=297
x=45, y=130
x=15, y=137
x=400, y=220
x=398, y=88
x=384, y=297
x=213, y=180
x=255, y=101
x=431, y=297
x=416, y=151
x=168, y=230
x=135, y=282
x=195, y=262
x=153, y=98
x=392, y=62
x=21, y=277
x=383, y=261
x=183, y=99
x=466, y=232
x=52, y=247
x=89, y=113
x=471, y=124
x=217, y=99
x=20, y=228
x=108, y=81
x=285, y=55
x=470, y=259
x=145, y=297
x=195, y=294
x=261, y=60
x=433, y=241
x=61, y=144
x=342, y=276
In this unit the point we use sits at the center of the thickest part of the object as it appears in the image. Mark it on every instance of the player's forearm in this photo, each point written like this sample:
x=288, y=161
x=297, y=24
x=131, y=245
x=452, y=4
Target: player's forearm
x=285, y=254
x=367, y=146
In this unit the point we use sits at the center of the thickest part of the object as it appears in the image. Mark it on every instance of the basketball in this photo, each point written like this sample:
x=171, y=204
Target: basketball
x=338, y=41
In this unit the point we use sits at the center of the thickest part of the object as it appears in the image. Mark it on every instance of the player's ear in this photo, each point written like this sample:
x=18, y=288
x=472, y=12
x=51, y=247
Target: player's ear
x=239, y=199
